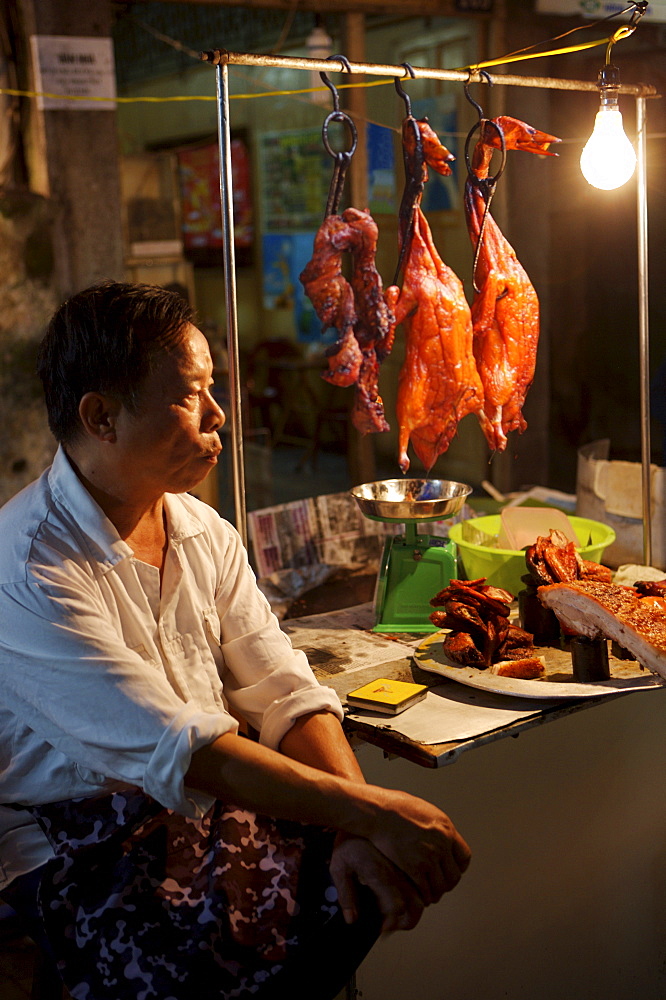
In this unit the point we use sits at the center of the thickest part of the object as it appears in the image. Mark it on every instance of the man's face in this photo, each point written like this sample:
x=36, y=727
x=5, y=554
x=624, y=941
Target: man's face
x=171, y=443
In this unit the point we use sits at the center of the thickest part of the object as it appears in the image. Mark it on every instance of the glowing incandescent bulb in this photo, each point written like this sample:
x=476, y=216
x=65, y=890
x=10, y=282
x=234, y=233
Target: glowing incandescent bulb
x=608, y=159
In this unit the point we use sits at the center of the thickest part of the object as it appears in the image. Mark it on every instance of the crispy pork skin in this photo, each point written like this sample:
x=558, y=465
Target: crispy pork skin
x=606, y=609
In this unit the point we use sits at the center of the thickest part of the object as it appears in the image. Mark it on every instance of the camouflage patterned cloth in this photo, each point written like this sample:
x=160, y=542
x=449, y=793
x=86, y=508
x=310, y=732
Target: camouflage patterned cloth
x=142, y=903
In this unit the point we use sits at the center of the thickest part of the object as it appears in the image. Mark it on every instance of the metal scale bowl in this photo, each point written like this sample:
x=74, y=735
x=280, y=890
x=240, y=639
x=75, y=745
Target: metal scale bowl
x=414, y=566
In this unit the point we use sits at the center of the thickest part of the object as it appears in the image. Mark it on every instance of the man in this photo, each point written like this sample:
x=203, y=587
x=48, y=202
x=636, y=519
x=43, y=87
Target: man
x=172, y=856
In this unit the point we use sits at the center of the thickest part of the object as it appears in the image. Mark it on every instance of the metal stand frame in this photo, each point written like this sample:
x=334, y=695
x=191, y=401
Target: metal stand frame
x=222, y=60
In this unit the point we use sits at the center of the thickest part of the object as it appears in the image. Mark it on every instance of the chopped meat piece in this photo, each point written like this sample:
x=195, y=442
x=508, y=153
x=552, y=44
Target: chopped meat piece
x=474, y=590
x=517, y=644
x=479, y=617
x=464, y=616
x=459, y=647
x=651, y=588
x=595, y=571
x=439, y=618
x=554, y=559
x=527, y=669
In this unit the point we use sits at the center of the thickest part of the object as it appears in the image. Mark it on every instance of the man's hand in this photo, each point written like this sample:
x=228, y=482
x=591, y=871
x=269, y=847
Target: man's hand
x=356, y=862
x=421, y=841
x=408, y=857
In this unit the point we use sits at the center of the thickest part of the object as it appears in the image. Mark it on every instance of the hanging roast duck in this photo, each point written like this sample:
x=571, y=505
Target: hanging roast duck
x=356, y=309
x=438, y=383
x=505, y=309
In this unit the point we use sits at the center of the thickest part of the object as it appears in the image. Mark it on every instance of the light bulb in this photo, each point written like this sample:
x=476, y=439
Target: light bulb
x=608, y=159
x=320, y=46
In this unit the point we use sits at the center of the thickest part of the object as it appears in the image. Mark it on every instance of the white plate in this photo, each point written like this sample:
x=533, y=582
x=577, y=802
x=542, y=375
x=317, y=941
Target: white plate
x=626, y=675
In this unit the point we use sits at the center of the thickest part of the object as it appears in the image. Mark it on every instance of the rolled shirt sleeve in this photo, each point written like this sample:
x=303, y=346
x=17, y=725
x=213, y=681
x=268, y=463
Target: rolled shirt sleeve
x=188, y=731
x=104, y=714
x=95, y=689
x=266, y=680
x=285, y=689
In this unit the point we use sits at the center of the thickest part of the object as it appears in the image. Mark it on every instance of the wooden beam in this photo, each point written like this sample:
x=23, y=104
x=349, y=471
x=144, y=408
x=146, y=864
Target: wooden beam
x=441, y=8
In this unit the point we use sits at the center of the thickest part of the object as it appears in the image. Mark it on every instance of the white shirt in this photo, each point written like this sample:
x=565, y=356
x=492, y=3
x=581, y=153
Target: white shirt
x=105, y=678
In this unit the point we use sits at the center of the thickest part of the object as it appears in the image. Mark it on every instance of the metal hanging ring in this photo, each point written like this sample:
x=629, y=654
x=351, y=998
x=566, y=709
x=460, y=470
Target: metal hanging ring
x=336, y=115
x=339, y=116
x=341, y=158
x=485, y=182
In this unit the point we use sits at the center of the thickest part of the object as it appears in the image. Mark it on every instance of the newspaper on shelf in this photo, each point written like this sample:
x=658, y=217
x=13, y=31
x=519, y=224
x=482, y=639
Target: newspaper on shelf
x=329, y=530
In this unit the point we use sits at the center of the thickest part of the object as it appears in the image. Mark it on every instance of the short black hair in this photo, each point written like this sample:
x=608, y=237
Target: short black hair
x=104, y=339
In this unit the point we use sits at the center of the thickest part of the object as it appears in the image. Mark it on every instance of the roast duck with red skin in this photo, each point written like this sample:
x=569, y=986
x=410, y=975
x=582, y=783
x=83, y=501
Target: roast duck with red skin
x=457, y=361
x=505, y=308
x=357, y=310
x=481, y=634
x=438, y=382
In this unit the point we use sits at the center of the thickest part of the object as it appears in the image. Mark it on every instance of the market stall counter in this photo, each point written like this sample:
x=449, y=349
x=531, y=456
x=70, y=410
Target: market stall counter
x=345, y=653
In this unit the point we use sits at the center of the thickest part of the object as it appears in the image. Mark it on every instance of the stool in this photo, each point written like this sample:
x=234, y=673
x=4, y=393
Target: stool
x=332, y=409
x=46, y=983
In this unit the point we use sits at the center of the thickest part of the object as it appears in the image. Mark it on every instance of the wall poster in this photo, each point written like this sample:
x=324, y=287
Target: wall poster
x=199, y=181
x=296, y=174
x=441, y=194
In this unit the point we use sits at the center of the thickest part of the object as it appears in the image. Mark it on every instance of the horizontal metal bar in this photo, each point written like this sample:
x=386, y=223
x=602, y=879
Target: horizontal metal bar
x=221, y=56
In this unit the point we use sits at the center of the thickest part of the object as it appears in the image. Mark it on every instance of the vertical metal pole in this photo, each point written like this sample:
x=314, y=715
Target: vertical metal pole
x=644, y=325
x=361, y=461
x=227, y=208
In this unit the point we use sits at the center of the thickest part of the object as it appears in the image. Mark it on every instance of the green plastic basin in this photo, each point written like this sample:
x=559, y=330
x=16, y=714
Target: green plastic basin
x=504, y=567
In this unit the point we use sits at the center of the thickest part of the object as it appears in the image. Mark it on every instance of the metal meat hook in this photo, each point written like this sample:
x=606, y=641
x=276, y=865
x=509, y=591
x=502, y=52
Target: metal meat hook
x=486, y=185
x=469, y=97
x=341, y=159
x=414, y=166
x=402, y=93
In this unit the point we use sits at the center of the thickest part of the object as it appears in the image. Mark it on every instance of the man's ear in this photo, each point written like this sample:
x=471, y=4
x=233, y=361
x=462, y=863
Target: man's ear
x=98, y=414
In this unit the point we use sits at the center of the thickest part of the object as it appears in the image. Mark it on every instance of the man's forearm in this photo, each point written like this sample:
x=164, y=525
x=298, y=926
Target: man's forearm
x=241, y=771
x=416, y=836
x=318, y=740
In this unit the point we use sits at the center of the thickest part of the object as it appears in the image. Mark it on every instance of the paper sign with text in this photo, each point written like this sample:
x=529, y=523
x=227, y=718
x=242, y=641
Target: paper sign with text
x=77, y=74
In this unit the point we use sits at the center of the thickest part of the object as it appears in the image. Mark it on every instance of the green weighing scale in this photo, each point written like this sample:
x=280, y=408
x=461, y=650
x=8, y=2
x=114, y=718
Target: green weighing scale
x=414, y=566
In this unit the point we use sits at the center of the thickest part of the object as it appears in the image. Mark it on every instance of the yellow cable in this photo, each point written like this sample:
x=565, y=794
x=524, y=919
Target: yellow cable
x=539, y=55
x=186, y=97
x=119, y=100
